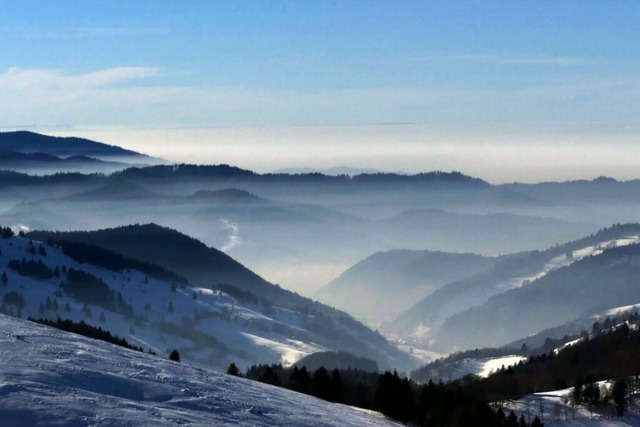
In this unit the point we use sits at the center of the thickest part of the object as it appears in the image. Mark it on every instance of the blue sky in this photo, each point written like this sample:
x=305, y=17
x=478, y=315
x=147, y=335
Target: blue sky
x=538, y=89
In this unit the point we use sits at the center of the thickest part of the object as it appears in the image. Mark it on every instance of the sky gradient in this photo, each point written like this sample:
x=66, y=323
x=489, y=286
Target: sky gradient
x=507, y=91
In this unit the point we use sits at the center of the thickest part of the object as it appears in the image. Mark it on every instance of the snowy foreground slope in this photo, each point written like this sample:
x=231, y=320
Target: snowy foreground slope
x=49, y=377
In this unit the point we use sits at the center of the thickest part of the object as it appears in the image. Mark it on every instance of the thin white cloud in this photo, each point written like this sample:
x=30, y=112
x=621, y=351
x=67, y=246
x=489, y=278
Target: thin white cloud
x=37, y=83
x=114, y=98
x=119, y=31
x=502, y=59
x=549, y=60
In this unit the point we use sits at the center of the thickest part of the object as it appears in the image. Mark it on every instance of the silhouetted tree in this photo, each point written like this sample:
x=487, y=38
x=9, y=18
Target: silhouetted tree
x=619, y=395
x=174, y=355
x=233, y=370
x=322, y=383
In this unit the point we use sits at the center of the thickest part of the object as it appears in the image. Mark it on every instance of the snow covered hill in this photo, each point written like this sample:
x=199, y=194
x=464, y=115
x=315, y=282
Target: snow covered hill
x=422, y=324
x=49, y=377
x=209, y=328
x=556, y=409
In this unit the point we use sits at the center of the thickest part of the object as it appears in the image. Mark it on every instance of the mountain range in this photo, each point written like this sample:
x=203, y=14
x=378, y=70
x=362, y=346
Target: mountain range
x=42, y=154
x=428, y=259
x=559, y=277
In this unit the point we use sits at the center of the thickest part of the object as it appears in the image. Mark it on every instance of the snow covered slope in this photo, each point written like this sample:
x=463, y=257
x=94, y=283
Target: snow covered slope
x=422, y=324
x=210, y=328
x=555, y=409
x=49, y=377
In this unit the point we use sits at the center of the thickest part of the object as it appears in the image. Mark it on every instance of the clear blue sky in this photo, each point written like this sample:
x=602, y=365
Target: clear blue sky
x=457, y=79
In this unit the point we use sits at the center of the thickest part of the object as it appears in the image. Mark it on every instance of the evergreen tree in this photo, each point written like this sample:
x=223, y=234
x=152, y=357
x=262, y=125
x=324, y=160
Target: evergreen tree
x=336, y=391
x=233, y=370
x=577, y=389
x=511, y=420
x=174, y=355
x=591, y=391
x=322, y=383
x=4, y=279
x=619, y=395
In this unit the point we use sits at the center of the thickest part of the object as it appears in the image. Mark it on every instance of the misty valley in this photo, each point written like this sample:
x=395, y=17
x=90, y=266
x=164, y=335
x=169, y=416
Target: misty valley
x=383, y=291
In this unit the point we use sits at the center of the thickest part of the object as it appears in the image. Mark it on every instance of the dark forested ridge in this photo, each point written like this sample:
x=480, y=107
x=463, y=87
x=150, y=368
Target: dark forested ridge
x=397, y=397
x=174, y=251
x=84, y=329
x=605, y=355
x=611, y=355
x=31, y=142
x=337, y=360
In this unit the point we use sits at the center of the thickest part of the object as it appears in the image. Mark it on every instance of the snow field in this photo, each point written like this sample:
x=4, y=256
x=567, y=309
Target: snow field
x=49, y=377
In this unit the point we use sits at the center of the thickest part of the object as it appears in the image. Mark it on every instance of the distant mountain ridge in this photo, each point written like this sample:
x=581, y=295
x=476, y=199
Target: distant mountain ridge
x=34, y=153
x=31, y=142
x=485, y=309
x=588, y=286
x=384, y=284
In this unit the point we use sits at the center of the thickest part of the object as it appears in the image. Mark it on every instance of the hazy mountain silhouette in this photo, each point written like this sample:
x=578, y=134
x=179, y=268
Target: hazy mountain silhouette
x=30, y=142
x=586, y=287
x=511, y=275
x=385, y=284
x=115, y=189
x=479, y=233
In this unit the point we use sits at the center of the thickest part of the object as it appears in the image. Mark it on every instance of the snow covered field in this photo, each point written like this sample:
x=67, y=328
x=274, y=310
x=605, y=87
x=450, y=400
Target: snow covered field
x=485, y=367
x=556, y=410
x=49, y=377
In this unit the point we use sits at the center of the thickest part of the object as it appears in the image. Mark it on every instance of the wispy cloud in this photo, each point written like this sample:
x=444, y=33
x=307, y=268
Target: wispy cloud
x=43, y=81
x=120, y=31
x=503, y=59
x=532, y=60
x=124, y=97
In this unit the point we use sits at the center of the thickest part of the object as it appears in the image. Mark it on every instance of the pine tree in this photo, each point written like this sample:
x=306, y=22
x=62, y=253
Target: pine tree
x=174, y=355
x=619, y=395
x=233, y=370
